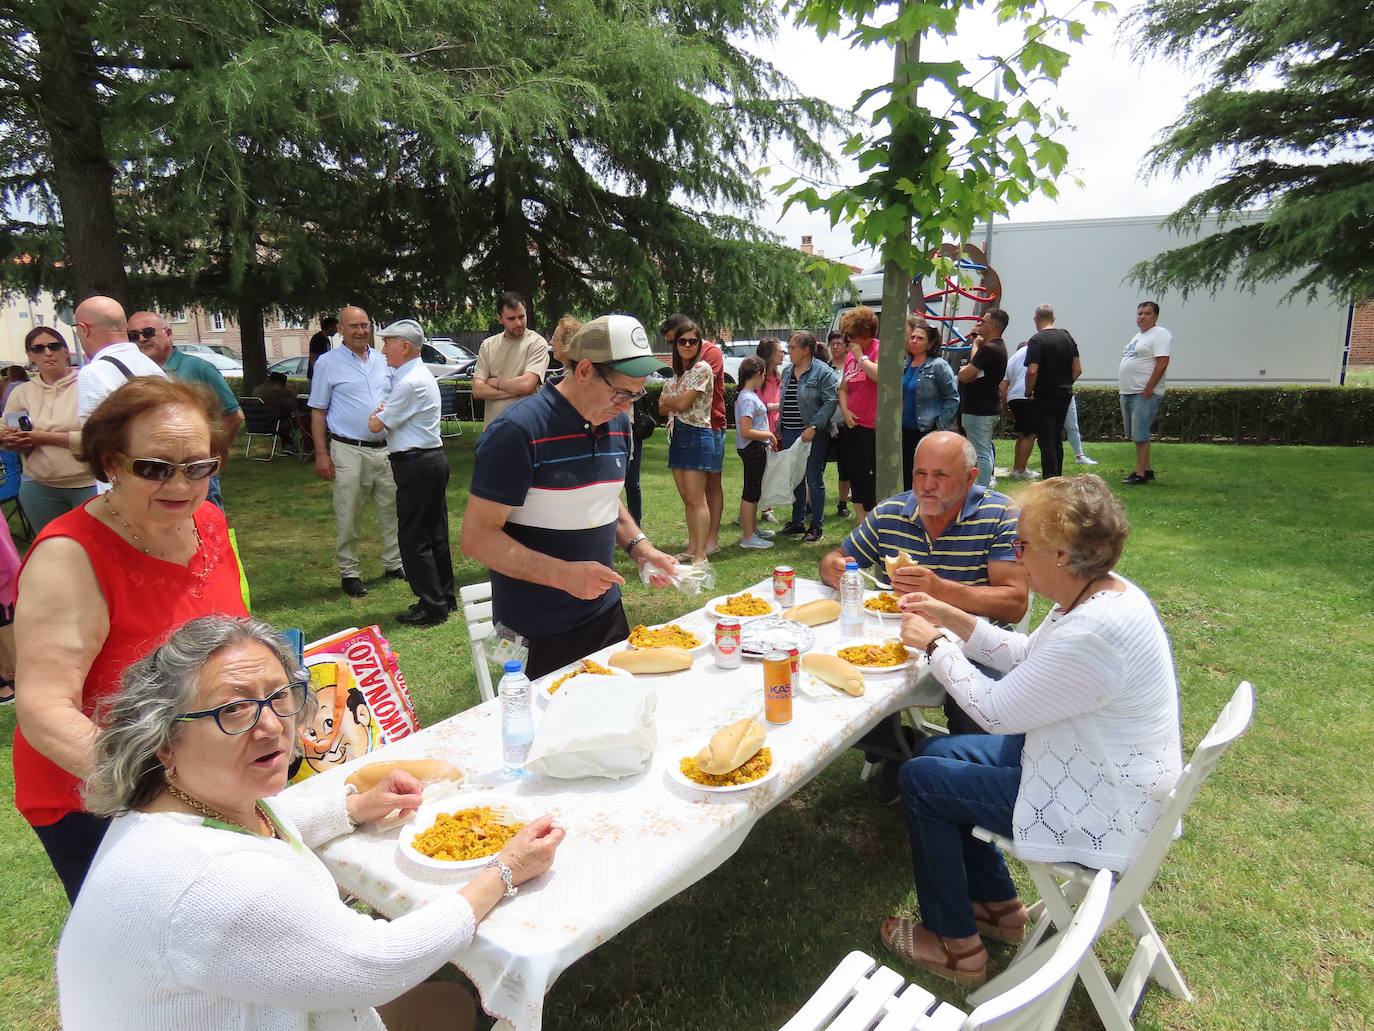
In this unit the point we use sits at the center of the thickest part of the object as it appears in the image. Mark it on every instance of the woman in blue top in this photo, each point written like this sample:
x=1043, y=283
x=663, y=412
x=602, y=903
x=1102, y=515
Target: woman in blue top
x=930, y=396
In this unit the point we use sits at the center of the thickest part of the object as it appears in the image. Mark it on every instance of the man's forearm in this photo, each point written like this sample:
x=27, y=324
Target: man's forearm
x=1032, y=372
x=1156, y=375
x=502, y=553
x=483, y=390
x=317, y=431
x=1005, y=604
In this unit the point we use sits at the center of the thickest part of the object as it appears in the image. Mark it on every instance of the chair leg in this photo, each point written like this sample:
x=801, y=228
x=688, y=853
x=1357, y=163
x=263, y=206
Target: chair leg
x=1164, y=969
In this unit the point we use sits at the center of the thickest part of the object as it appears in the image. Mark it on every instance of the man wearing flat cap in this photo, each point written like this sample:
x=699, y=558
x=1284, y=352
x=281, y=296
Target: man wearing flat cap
x=410, y=418
x=545, y=514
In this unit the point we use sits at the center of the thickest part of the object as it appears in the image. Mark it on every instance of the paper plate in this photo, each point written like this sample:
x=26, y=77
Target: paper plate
x=695, y=631
x=912, y=656
x=675, y=774
x=710, y=609
x=546, y=682
x=760, y=636
x=425, y=816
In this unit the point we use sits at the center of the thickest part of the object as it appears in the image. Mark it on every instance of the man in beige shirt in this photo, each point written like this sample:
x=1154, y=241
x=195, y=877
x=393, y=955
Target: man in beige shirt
x=511, y=364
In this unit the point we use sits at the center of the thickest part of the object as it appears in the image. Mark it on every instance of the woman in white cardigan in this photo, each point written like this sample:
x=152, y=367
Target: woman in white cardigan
x=1083, y=743
x=204, y=907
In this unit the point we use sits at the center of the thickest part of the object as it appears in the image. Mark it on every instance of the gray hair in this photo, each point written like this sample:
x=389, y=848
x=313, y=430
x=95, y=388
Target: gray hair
x=141, y=719
x=970, y=454
x=1044, y=311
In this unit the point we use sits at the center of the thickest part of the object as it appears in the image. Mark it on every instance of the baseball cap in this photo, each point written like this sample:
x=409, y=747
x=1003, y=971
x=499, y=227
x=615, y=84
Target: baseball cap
x=406, y=329
x=615, y=340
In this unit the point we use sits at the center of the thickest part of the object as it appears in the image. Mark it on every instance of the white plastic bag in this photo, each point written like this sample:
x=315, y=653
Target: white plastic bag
x=596, y=726
x=785, y=470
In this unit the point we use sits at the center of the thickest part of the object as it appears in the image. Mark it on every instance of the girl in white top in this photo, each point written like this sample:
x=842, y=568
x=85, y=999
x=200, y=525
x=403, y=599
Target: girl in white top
x=204, y=907
x=753, y=441
x=1083, y=744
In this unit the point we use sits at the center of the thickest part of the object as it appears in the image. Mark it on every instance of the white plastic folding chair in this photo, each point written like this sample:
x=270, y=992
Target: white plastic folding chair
x=476, y=602
x=856, y=997
x=1062, y=884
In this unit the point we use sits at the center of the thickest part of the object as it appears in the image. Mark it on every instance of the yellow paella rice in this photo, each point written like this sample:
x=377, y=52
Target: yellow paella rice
x=752, y=770
x=585, y=666
x=884, y=602
x=668, y=636
x=744, y=605
x=467, y=834
x=891, y=653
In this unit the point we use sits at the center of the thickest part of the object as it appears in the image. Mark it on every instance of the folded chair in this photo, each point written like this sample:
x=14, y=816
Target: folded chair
x=476, y=602
x=1063, y=884
x=856, y=997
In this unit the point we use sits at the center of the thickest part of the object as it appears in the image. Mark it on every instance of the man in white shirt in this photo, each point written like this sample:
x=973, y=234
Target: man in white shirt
x=1021, y=411
x=510, y=365
x=410, y=418
x=111, y=358
x=349, y=383
x=1141, y=384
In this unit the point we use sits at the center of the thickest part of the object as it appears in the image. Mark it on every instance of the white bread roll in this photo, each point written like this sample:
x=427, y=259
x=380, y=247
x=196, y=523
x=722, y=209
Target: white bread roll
x=901, y=560
x=731, y=747
x=426, y=771
x=652, y=660
x=833, y=670
x=814, y=613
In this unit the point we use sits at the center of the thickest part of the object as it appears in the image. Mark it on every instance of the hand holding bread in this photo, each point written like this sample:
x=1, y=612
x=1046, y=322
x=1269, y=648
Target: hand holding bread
x=426, y=771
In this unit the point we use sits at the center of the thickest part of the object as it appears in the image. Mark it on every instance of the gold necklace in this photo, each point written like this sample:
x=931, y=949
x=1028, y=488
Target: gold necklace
x=134, y=537
x=214, y=814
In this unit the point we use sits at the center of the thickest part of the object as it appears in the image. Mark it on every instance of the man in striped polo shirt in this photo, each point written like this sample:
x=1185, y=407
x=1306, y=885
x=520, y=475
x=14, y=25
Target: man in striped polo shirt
x=960, y=534
x=545, y=514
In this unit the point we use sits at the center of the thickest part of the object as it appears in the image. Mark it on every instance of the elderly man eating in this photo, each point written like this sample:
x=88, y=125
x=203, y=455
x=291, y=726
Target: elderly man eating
x=960, y=536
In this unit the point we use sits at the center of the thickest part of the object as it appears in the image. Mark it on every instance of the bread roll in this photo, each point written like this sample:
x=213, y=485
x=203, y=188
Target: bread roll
x=652, y=660
x=426, y=771
x=731, y=747
x=901, y=560
x=814, y=613
x=834, y=671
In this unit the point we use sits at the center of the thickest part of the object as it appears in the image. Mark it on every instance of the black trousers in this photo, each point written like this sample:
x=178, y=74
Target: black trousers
x=1051, y=409
x=557, y=650
x=422, y=525
x=71, y=844
x=863, y=465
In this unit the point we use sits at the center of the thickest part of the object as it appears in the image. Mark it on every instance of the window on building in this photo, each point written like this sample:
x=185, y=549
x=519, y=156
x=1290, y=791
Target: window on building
x=178, y=316
x=291, y=322
x=217, y=320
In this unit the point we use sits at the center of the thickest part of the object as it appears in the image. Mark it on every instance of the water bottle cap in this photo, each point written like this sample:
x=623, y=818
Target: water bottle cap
x=512, y=666
x=850, y=564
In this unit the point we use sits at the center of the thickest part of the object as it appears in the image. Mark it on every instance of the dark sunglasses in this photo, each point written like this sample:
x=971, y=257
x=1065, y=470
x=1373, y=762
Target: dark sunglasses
x=158, y=471
x=1018, y=548
x=687, y=342
x=50, y=348
x=147, y=333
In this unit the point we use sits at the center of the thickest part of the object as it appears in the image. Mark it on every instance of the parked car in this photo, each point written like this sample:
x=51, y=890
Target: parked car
x=733, y=353
x=442, y=351
x=201, y=349
x=227, y=366
x=293, y=367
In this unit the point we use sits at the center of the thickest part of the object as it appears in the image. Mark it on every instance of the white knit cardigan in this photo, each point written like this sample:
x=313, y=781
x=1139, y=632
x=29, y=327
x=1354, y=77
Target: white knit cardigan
x=1095, y=694
x=183, y=925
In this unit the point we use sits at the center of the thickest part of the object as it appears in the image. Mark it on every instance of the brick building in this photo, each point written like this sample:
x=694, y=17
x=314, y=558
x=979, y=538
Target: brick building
x=1362, y=336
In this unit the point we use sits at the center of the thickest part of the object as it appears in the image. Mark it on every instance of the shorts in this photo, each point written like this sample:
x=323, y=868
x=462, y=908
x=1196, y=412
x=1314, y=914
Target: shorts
x=1138, y=415
x=694, y=447
x=718, y=459
x=755, y=458
x=1023, y=416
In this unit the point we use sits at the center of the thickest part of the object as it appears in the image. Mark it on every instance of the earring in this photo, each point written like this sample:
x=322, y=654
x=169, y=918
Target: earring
x=170, y=771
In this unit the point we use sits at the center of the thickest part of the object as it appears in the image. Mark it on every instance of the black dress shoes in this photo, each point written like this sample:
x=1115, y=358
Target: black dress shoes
x=353, y=587
x=1136, y=478
x=395, y=574
x=422, y=617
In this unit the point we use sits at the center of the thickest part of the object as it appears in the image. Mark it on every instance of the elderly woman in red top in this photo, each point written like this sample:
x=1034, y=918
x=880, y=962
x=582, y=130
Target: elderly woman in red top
x=104, y=583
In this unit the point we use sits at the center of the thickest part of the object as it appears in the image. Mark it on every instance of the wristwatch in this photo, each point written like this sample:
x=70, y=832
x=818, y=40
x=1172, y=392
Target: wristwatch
x=633, y=542
x=507, y=878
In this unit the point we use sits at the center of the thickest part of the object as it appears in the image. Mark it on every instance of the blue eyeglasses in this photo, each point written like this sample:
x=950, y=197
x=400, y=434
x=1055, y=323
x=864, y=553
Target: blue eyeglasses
x=242, y=715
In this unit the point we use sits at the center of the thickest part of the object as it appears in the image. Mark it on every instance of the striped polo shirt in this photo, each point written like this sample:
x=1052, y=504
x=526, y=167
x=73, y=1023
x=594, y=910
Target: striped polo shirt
x=983, y=533
x=561, y=477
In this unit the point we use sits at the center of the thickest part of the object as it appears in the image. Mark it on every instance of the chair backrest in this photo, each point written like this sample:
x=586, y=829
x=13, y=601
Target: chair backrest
x=476, y=601
x=256, y=416
x=1037, y=1002
x=448, y=401
x=1229, y=726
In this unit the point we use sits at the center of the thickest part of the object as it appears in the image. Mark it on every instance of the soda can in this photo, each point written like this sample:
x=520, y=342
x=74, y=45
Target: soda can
x=785, y=586
x=777, y=687
x=728, y=646
x=795, y=656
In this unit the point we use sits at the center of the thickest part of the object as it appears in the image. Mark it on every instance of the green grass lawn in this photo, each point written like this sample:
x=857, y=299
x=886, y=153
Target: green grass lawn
x=1260, y=561
x=1359, y=376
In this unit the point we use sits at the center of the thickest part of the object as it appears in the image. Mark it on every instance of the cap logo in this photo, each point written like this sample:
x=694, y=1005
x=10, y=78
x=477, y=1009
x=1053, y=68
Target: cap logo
x=639, y=339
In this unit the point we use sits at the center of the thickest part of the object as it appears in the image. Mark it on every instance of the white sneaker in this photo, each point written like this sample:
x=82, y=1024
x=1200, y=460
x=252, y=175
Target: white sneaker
x=769, y=517
x=767, y=535
x=1084, y=460
x=755, y=542
x=1022, y=474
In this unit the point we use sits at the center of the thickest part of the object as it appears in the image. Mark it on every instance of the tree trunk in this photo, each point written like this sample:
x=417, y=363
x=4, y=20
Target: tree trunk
x=252, y=338
x=71, y=116
x=513, y=233
x=896, y=293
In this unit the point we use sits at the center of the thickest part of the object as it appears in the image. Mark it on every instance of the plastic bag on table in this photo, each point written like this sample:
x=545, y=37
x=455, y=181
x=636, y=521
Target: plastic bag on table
x=785, y=470
x=688, y=579
x=596, y=727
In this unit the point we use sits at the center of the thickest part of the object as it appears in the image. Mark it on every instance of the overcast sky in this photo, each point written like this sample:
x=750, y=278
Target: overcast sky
x=1118, y=107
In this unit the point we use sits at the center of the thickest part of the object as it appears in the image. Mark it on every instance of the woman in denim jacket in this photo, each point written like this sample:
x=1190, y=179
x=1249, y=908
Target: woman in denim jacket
x=930, y=396
x=808, y=400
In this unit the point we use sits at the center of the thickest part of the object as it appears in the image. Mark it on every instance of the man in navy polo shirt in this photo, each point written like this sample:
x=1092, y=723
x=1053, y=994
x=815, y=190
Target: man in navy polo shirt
x=545, y=515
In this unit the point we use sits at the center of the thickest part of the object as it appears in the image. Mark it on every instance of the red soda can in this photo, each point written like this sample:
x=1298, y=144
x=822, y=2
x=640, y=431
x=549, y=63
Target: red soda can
x=795, y=656
x=785, y=586
x=728, y=647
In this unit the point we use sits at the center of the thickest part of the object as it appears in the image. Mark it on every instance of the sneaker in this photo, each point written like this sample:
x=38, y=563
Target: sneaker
x=769, y=517
x=842, y=509
x=1136, y=478
x=793, y=530
x=1084, y=460
x=1023, y=474
x=767, y=535
x=813, y=535
x=1149, y=474
x=755, y=542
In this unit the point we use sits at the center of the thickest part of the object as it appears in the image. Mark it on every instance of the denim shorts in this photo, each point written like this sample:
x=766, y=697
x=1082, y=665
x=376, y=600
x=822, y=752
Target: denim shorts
x=694, y=447
x=1138, y=415
x=719, y=459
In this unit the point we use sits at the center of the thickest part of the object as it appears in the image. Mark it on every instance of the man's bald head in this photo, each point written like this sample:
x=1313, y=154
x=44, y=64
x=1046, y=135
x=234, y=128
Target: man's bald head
x=944, y=446
x=158, y=345
x=100, y=321
x=943, y=470
x=355, y=327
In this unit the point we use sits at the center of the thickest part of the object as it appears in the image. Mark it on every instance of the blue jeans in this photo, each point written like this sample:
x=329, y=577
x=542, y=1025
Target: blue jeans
x=215, y=497
x=813, y=482
x=634, y=498
x=1071, y=428
x=954, y=784
x=979, y=430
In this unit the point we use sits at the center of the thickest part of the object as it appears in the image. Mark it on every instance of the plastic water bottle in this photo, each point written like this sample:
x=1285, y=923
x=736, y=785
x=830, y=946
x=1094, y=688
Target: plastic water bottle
x=851, y=601
x=517, y=725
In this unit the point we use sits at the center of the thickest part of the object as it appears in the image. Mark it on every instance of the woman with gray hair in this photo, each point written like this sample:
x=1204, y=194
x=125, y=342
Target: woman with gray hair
x=204, y=907
x=1083, y=741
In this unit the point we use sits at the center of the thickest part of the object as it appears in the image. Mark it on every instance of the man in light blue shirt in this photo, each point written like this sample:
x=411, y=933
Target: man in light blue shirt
x=349, y=383
x=410, y=418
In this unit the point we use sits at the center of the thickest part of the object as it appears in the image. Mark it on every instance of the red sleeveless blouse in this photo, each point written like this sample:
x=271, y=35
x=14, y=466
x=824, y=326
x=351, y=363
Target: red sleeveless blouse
x=147, y=598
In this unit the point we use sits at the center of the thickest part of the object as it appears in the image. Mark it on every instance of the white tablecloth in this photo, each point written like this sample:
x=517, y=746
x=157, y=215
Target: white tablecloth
x=631, y=844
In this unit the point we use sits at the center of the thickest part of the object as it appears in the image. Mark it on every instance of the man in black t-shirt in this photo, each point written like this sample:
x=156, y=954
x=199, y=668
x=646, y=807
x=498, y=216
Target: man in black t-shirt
x=980, y=382
x=1052, y=366
x=320, y=343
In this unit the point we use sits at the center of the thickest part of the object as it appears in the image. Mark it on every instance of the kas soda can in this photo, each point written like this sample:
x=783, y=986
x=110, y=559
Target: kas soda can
x=785, y=586
x=777, y=687
x=728, y=643
x=795, y=656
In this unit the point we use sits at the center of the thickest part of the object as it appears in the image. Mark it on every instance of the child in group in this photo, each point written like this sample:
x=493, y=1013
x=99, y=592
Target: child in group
x=753, y=441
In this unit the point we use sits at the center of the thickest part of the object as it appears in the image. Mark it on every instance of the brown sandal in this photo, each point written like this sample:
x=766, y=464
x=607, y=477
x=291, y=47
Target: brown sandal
x=899, y=935
x=998, y=929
